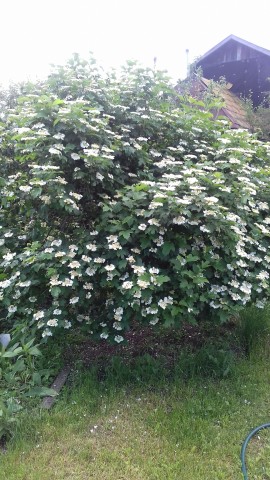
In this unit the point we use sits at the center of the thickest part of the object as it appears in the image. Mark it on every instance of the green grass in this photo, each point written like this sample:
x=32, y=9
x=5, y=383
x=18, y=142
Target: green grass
x=175, y=429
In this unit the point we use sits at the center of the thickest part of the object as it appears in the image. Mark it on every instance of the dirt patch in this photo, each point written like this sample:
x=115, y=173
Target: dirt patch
x=166, y=344
x=3, y=444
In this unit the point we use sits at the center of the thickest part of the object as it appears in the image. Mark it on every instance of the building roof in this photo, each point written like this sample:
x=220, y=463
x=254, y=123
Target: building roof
x=233, y=108
x=236, y=39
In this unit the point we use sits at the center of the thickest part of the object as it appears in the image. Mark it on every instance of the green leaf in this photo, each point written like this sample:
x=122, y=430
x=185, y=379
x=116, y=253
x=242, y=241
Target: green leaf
x=34, y=351
x=192, y=258
x=55, y=291
x=162, y=279
x=200, y=280
x=12, y=354
x=36, y=192
x=167, y=247
x=41, y=392
x=125, y=233
x=58, y=102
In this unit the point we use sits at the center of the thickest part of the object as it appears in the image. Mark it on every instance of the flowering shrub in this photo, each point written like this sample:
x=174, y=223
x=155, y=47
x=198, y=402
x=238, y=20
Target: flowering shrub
x=121, y=201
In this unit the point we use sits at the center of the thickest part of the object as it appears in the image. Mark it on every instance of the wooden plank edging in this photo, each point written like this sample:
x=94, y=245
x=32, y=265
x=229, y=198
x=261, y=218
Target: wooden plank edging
x=58, y=383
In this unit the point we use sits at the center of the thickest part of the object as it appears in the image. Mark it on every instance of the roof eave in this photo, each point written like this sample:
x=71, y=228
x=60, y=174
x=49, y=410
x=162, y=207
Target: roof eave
x=236, y=39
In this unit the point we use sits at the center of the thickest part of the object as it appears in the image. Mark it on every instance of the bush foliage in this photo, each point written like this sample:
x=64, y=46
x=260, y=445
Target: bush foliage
x=121, y=200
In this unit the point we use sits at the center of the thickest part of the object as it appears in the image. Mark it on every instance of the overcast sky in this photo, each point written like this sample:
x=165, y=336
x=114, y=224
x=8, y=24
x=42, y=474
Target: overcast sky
x=36, y=33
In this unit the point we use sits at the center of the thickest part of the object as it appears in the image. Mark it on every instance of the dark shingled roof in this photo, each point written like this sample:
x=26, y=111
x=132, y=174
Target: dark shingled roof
x=233, y=108
x=236, y=39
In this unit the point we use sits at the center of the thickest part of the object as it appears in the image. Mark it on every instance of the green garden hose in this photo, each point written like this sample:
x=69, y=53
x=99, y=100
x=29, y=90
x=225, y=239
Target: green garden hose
x=244, y=446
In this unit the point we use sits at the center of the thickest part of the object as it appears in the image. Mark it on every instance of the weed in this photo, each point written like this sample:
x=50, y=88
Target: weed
x=253, y=324
x=209, y=361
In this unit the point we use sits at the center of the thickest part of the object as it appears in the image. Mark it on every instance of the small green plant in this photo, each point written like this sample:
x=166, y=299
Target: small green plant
x=8, y=420
x=21, y=376
x=253, y=324
x=209, y=361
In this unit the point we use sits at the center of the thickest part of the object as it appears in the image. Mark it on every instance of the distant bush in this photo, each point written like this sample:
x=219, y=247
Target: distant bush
x=120, y=200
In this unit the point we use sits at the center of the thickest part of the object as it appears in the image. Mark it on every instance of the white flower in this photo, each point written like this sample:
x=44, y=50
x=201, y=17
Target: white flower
x=25, y=284
x=67, y=282
x=151, y=311
x=88, y=286
x=112, y=238
x=104, y=335
x=203, y=228
x=153, y=221
x=74, y=300
x=67, y=324
x=99, y=176
x=263, y=275
x=60, y=254
x=109, y=268
x=54, y=281
x=241, y=263
x=115, y=246
x=90, y=271
x=46, y=199
x=54, y=151
x=25, y=188
x=48, y=250
x=143, y=284
x=154, y=271
x=46, y=333
x=59, y=136
x=99, y=260
x=139, y=269
x=73, y=248
x=86, y=259
x=166, y=301
x=12, y=309
x=38, y=315
x=75, y=195
x=246, y=288
x=53, y=322
x=127, y=285
x=74, y=264
x=9, y=256
x=57, y=243
x=159, y=241
x=92, y=247
x=131, y=259
x=5, y=283
x=118, y=338
x=154, y=321
x=57, y=311
x=117, y=326
x=142, y=226
x=211, y=200
x=179, y=220
x=75, y=156
x=2, y=241
x=260, y=304
x=84, y=144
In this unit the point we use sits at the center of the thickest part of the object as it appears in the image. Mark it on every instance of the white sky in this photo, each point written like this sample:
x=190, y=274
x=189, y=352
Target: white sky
x=36, y=33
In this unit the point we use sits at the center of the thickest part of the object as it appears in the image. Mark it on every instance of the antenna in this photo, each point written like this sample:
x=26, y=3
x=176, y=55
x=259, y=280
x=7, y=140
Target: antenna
x=187, y=55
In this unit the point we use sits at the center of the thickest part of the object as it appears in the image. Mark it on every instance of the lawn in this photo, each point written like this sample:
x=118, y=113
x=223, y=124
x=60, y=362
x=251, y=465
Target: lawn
x=155, y=428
